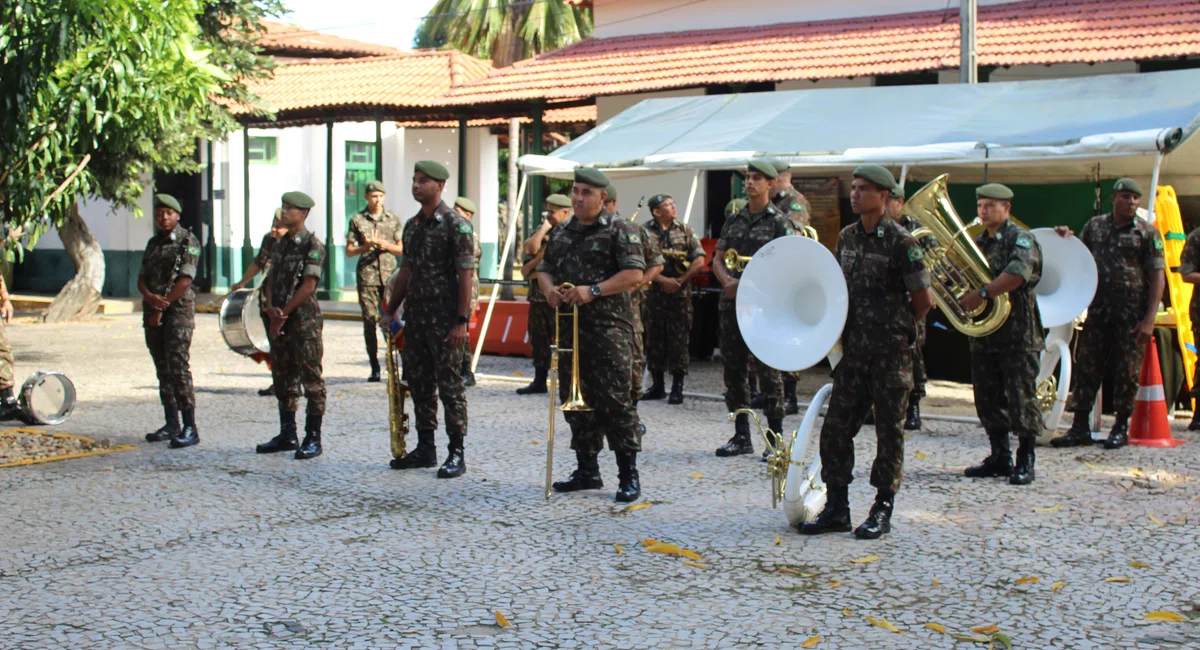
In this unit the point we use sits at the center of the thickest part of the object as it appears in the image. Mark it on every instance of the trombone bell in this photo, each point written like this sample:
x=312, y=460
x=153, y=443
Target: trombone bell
x=575, y=401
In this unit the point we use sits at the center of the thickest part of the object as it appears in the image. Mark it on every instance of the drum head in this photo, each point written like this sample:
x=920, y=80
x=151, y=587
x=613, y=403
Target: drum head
x=241, y=323
x=47, y=398
x=255, y=330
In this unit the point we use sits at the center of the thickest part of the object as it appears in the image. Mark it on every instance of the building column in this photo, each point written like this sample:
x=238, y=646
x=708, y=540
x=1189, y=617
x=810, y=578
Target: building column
x=333, y=265
x=247, y=245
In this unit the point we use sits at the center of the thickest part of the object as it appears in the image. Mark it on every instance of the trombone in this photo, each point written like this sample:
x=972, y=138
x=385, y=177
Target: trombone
x=575, y=402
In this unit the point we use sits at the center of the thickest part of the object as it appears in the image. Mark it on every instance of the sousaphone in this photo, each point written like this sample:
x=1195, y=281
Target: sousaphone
x=792, y=303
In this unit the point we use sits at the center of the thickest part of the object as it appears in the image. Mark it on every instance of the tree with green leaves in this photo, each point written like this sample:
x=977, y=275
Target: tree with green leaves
x=505, y=30
x=97, y=95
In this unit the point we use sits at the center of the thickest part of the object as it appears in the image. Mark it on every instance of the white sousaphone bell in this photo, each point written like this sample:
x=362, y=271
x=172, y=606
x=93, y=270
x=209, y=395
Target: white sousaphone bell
x=1066, y=289
x=792, y=303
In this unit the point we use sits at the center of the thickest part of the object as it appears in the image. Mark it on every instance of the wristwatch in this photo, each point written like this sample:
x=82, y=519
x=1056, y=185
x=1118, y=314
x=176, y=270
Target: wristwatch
x=596, y=290
x=463, y=320
x=983, y=293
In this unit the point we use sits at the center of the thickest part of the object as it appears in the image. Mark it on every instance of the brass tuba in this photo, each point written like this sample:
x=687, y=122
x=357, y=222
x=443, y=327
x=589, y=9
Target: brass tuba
x=397, y=393
x=955, y=263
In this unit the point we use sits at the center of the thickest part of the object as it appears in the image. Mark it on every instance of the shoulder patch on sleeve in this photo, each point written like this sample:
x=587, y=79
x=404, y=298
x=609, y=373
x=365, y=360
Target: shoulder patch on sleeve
x=797, y=207
x=916, y=254
x=635, y=238
x=193, y=250
x=465, y=228
x=1158, y=244
x=314, y=254
x=1024, y=240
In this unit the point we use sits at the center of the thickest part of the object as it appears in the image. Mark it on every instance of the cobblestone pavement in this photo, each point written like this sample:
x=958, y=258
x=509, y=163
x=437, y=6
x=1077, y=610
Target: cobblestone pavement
x=215, y=547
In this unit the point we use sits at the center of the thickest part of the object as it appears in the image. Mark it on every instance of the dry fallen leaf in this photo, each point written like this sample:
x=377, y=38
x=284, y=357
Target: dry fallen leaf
x=1166, y=617
x=696, y=475
x=620, y=549
x=1058, y=585
x=1027, y=580
x=1155, y=519
x=936, y=583
x=665, y=548
x=691, y=555
x=501, y=620
x=936, y=628
x=1139, y=565
x=649, y=542
x=1136, y=473
x=920, y=454
x=695, y=564
x=1050, y=509
x=1116, y=579
x=518, y=373
x=1097, y=467
x=972, y=639
x=778, y=540
x=835, y=583
x=534, y=442
x=811, y=642
x=882, y=623
x=865, y=560
x=986, y=629
x=846, y=612
x=638, y=506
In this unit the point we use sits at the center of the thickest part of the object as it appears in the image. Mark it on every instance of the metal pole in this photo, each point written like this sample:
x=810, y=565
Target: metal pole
x=210, y=245
x=247, y=245
x=687, y=214
x=330, y=269
x=514, y=151
x=1154, y=186
x=462, y=156
x=508, y=243
x=378, y=151
x=903, y=175
x=968, y=67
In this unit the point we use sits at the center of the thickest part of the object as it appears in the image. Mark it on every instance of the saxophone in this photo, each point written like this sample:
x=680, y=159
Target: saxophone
x=397, y=394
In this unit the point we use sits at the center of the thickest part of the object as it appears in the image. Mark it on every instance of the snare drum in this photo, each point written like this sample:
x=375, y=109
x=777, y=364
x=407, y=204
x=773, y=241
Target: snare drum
x=47, y=398
x=241, y=325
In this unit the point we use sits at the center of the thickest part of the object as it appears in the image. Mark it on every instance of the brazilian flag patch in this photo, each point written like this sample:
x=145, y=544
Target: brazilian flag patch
x=916, y=254
x=465, y=228
x=193, y=250
x=635, y=238
x=797, y=207
x=1024, y=241
x=1158, y=244
x=314, y=254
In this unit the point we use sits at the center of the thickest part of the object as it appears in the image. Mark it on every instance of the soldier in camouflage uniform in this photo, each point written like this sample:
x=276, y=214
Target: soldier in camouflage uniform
x=654, y=266
x=373, y=237
x=1189, y=269
x=541, y=316
x=670, y=302
x=889, y=293
x=1004, y=364
x=466, y=207
x=296, y=265
x=260, y=263
x=9, y=407
x=912, y=419
x=601, y=255
x=434, y=286
x=1120, y=321
x=798, y=211
x=747, y=231
x=169, y=316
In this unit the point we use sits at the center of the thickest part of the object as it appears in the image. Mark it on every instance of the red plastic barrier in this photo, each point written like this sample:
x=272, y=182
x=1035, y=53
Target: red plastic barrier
x=508, y=333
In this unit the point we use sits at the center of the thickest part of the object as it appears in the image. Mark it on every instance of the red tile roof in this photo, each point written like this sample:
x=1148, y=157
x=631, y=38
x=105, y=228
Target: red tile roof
x=279, y=39
x=1030, y=32
x=556, y=116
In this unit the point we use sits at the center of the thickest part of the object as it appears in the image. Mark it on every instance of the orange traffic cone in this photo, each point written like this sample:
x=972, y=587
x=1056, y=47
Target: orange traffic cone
x=1149, y=427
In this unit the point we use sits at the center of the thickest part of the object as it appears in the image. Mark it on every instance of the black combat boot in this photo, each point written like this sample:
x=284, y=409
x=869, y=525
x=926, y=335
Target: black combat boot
x=1194, y=425
x=879, y=522
x=740, y=442
x=585, y=477
x=998, y=463
x=1080, y=433
x=790, y=405
x=676, y=389
x=456, y=461
x=627, y=473
x=286, y=440
x=537, y=386
x=311, y=447
x=189, y=435
x=1119, y=436
x=168, y=430
x=912, y=418
x=374, y=377
x=835, y=518
x=269, y=390
x=656, y=390
x=370, y=337
x=774, y=435
x=10, y=408
x=422, y=456
x=1022, y=474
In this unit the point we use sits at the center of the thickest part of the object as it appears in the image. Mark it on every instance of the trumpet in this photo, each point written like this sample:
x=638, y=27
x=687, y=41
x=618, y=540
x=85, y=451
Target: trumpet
x=680, y=258
x=735, y=262
x=575, y=402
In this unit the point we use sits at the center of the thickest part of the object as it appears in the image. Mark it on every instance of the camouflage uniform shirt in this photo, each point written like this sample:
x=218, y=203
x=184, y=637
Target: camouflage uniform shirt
x=1189, y=262
x=882, y=267
x=587, y=255
x=168, y=257
x=746, y=232
x=375, y=266
x=435, y=249
x=1013, y=250
x=264, y=251
x=1125, y=257
x=293, y=258
x=678, y=236
x=788, y=201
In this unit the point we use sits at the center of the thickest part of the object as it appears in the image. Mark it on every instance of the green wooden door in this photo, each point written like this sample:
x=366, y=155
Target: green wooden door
x=360, y=170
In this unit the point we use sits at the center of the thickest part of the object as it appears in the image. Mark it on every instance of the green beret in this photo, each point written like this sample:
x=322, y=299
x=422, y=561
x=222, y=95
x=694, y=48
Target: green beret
x=466, y=204
x=733, y=207
x=657, y=200
x=897, y=192
x=374, y=186
x=876, y=174
x=167, y=201
x=559, y=200
x=1127, y=185
x=433, y=169
x=764, y=167
x=994, y=191
x=594, y=177
x=299, y=200
x=611, y=190
x=781, y=166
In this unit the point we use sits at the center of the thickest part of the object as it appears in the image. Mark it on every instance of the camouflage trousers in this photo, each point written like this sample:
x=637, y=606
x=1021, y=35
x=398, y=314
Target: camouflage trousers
x=296, y=365
x=737, y=358
x=434, y=369
x=6, y=359
x=1005, y=384
x=370, y=300
x=861, y=382
x=604, y=363
x=1106, y=348
x=170, y=346
x=541, y=333
x=669, y=332
x=637, y=350
x=919, y=378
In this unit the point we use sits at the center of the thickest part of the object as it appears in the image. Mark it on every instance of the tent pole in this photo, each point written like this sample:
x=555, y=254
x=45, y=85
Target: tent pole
x=508, y=241
x=903, y=175
x=687, y=214
x=1154, y=185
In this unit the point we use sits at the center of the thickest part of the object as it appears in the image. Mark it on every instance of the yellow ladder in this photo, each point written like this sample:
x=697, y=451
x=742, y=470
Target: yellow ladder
x=1170, y=224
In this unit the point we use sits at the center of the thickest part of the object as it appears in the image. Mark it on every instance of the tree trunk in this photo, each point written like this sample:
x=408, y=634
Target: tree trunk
x=81, y=296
